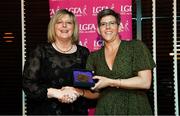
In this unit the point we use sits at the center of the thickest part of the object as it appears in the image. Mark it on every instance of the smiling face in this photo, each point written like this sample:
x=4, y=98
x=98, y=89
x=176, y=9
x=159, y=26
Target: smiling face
x=109, y=29
x=64, y=27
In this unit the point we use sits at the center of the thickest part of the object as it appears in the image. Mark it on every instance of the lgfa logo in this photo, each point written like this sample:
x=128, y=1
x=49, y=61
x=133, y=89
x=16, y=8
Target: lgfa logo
x=83, y=43
x=85, y=28
x=126, y=8
x=97, y=9
x=78, y=11
x=98, y=43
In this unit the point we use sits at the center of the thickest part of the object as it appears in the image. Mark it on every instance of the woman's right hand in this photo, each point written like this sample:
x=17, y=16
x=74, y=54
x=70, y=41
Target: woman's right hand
x=68, y=94
x=102, y=82
x=65, y=94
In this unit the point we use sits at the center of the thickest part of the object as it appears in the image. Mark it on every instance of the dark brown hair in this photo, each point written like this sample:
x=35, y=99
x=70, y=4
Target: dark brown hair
x=107, y=12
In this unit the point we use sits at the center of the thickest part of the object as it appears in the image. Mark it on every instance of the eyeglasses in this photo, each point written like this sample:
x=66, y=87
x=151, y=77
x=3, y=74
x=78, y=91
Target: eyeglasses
x=110, y=23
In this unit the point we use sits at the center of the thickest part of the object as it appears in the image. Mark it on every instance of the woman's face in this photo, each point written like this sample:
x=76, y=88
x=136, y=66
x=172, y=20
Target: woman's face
x=109, y=28
x=64, y=27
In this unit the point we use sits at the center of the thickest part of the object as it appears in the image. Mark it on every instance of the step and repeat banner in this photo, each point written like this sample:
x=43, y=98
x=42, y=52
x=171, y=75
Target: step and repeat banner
x=86, y=13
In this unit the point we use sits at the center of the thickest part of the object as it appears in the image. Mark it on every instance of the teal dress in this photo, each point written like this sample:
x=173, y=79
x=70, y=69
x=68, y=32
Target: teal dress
x=132, y=56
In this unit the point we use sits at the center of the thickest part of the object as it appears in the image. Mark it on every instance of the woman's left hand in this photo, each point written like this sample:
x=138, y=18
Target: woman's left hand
x=102, y=82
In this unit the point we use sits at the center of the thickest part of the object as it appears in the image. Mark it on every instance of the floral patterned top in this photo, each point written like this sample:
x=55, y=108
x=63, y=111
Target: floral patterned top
x=47, y=68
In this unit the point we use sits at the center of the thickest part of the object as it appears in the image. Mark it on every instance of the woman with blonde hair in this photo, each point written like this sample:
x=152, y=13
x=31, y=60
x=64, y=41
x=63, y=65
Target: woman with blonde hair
x=46, y=75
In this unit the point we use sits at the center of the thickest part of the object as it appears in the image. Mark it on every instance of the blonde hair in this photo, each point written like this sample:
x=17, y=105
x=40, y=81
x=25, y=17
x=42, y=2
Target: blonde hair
x=53, y=21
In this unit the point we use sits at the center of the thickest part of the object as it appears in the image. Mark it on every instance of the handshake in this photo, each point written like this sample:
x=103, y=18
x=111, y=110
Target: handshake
x=82, y=79
x=65, y=94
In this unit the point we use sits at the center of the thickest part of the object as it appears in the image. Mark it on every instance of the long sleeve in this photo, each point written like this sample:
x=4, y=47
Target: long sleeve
x=31, y=76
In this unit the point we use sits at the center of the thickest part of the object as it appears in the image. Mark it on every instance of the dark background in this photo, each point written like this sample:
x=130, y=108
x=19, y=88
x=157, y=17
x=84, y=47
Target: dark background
x=36, y=21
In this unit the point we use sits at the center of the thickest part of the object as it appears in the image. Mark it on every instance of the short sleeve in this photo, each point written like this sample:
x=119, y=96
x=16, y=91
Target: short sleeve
x=142, y=58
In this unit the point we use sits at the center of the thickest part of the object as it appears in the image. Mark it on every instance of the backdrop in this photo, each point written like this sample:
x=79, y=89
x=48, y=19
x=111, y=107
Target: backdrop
x=86, y=12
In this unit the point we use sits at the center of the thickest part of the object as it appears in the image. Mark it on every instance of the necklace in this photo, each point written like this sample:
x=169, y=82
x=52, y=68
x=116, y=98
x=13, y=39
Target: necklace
x=64, y=51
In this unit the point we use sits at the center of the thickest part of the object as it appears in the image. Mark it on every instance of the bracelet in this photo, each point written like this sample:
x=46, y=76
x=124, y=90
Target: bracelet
x=83, y=92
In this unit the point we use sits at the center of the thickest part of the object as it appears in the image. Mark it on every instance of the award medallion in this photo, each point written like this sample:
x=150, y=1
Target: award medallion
x=83, y=78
